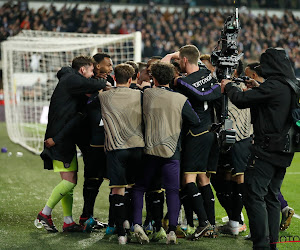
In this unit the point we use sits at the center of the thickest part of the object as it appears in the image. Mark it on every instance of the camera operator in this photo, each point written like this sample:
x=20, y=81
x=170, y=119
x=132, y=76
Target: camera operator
x=254, y=72
x=200, y=148
x=267, y=164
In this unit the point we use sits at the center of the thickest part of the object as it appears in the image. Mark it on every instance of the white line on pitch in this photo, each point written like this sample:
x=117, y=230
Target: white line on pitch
x=297, y=216
x=292, y=173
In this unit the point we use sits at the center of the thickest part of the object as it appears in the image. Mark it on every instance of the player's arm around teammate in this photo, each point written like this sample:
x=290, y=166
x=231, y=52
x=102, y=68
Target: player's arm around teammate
x=73, y=83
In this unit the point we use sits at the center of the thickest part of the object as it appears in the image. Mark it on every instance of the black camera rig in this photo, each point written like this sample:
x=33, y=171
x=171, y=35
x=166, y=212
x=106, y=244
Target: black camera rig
x=243, y=79
x=225, y=58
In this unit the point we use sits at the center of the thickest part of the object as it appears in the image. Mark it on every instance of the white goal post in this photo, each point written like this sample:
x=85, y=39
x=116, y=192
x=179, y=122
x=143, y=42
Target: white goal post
x=30, y=61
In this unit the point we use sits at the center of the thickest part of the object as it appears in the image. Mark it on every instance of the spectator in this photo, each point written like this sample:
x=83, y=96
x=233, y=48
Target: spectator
x=164, y=32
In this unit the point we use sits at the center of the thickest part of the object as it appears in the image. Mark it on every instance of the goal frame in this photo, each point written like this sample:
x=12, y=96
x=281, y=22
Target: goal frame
x=31, y=135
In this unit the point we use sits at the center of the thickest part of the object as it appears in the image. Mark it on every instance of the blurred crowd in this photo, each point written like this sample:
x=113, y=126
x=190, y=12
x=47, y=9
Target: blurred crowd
x=162, y=31
x=250, y=3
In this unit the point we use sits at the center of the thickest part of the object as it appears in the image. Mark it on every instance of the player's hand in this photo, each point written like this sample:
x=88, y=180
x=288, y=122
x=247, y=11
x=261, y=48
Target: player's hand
x=175, y=80
x=108, y=86
x=168, y=57
x=49, y=143
x=251, y=83
x=175, y=55
x=224, y=82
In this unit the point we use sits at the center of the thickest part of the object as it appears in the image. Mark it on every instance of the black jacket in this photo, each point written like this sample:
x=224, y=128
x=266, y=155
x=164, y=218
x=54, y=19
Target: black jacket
x=66, y=101
x=270, y=102
x=95, y=122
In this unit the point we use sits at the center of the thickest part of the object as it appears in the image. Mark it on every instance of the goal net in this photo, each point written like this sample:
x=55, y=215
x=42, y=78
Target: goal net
x=30, y=61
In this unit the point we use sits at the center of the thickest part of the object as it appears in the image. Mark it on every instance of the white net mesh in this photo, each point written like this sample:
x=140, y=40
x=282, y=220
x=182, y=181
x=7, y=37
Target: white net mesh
x=30, y=62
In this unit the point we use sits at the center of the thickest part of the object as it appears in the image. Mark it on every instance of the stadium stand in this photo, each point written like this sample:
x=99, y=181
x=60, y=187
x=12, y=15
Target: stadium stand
x=164, y=31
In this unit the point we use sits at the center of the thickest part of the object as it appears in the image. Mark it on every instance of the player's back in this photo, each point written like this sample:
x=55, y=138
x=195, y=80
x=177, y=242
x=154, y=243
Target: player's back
x=121, y=109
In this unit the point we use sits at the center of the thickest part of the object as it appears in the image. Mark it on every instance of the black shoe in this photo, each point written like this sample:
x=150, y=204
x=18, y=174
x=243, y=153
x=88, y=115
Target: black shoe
x=72, y=227
x=46, y=222
x=200, y=232
x=82, y=220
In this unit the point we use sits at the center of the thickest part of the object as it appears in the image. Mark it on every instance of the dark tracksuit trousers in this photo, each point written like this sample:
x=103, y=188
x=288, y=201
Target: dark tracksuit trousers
x=262, y=185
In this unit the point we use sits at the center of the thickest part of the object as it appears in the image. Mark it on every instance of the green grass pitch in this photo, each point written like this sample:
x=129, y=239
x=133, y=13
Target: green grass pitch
x=25, y=188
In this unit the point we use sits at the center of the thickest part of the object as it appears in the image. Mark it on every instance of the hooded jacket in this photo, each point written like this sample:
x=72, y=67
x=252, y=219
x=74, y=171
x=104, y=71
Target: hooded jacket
x=66, y=101
x=271, y=103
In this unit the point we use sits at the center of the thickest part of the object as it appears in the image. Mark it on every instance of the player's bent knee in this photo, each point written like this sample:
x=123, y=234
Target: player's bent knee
x=69, y=176
x=203, y=180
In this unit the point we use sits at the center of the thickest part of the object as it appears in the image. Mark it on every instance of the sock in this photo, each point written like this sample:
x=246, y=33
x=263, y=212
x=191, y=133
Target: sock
x=47, y=210
x=111, y=213
x=68, y=219
x=187, y=204
x=129, y=205
x=67, y=204
x=173, y=204
x=196, y=201
x=59, y=192
x=157, y=199
x=118, y=202
x=162, y=202
x=233, y=223
x=209, y=203
x=138, y=198
x=223, y=191
x=222, y=200
x=237, y=201
x=90, y=192
x=227, y=197
x=148, y=209
x=217, y=181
